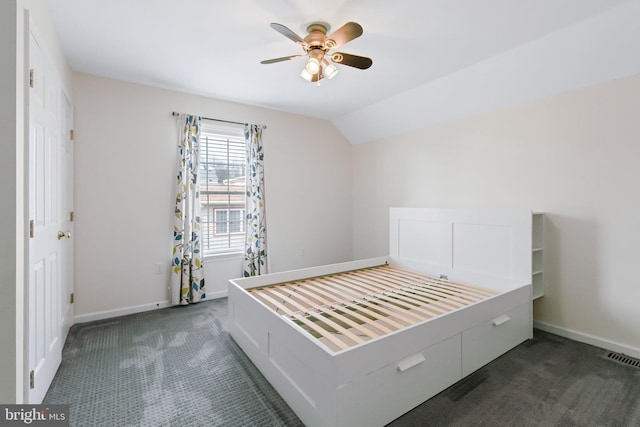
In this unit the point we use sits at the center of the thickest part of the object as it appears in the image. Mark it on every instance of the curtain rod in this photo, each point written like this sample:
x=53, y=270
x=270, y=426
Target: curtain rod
x=175, y=114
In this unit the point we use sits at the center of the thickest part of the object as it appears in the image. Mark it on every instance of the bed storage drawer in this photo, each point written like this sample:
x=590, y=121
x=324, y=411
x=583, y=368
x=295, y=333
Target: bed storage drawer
x=485, y=342
x=379, y=397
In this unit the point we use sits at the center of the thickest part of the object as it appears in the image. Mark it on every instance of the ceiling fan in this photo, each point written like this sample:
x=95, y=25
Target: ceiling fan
x=318, y=48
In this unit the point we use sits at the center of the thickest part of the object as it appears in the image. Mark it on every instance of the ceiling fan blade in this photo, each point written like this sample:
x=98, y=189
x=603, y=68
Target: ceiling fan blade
x=356, y=61
x=344, y=34
x=287, y=33
x=284, y=58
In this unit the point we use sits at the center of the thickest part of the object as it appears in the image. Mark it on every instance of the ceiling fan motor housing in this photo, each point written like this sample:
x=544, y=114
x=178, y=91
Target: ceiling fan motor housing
x=315, y=39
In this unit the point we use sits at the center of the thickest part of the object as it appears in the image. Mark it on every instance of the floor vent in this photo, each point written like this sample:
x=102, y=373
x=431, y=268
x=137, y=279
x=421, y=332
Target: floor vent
x=625, y=360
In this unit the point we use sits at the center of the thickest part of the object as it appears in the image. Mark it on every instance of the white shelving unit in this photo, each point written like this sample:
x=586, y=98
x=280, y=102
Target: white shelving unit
x=537, y=254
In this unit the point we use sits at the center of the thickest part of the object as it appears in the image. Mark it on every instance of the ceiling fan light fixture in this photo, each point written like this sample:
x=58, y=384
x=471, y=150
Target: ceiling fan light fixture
x=311, y=77
x=306, y=75
x=313, y=66
x=330, y=70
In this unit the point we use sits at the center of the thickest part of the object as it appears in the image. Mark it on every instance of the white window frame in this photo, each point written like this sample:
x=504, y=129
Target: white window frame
x=212, y=197
x=227, y=221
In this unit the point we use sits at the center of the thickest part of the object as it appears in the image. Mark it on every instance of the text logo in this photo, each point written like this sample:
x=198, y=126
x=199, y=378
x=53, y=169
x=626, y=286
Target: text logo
x=34, y=415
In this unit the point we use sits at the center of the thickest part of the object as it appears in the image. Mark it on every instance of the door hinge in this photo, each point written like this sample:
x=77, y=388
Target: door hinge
x=32, y=226
x=32, y=379
x=71, y=298
x=71, y=134
x=72, y=216
x=32, y=78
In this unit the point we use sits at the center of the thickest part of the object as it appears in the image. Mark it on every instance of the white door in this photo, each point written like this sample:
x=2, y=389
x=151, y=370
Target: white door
x=47, y=252
x=66, y=197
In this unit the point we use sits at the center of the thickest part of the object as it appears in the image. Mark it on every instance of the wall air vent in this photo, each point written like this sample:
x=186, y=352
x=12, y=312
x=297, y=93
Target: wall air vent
x=625, y=360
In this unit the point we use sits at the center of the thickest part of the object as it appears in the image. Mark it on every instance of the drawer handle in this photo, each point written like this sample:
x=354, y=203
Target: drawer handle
x=500, y=320
x=410, y=362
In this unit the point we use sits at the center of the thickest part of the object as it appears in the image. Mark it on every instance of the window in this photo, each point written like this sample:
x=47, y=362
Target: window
x=228, y=221
x=222, y=186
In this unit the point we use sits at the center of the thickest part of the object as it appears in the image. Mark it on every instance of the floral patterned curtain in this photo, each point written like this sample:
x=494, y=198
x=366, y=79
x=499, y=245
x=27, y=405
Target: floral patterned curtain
x=255, y=254
x=187, y=278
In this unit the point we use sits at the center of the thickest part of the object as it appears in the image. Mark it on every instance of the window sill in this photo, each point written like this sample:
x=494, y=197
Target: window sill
x=223, y=256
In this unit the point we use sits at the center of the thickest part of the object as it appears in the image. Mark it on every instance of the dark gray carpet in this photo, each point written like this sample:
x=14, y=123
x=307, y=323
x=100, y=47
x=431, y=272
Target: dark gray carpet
x=178, y=367
x=169, y=367
x=546, y=381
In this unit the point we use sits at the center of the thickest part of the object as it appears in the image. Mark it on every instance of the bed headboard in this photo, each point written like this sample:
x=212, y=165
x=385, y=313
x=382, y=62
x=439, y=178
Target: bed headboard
x=482, y=246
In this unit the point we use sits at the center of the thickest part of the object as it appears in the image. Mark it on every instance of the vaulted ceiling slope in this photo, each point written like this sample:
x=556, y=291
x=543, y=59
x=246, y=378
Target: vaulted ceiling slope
x=433, y=60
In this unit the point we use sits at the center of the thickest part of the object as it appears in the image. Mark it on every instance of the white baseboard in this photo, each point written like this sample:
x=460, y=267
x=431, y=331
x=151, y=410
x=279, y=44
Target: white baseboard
x=107, y=314
x=217, y=295
x=588, y=339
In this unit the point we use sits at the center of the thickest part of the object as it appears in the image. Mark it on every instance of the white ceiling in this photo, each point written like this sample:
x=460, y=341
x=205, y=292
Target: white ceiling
x=433, y=60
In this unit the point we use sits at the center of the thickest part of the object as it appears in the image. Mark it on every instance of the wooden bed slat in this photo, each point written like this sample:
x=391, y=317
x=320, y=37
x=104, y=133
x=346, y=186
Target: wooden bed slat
x=349, y=308
x=396, y=293
x=433, y=300
x=275, y=292
x=293, y=293
x=369, y=296
x=440, y=286
x=360, y=287
x=437, y=301
x=363, y=303
x=334, y=307
x=467, y=288
x=356, y=308
x=323, y=332
x=312, y=309
x=265, y=297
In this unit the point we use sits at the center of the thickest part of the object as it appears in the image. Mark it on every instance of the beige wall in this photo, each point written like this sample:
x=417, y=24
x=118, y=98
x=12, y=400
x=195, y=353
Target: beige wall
x=124, y=191
x=573, y=156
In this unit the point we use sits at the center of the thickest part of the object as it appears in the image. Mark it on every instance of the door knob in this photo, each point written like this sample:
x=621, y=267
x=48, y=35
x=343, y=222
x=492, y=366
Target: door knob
x=62, y=234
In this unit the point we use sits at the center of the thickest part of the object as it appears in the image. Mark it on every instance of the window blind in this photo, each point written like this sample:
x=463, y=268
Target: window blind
x=222, y=186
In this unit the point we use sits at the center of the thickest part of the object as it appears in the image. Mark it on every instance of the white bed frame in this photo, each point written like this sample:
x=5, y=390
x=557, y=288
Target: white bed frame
x=373, y=383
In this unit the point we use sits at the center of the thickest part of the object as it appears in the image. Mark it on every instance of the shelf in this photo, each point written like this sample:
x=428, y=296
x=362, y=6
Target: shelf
x=537, y=263
x=538, y=285
x=537, y=254
x=537, y=229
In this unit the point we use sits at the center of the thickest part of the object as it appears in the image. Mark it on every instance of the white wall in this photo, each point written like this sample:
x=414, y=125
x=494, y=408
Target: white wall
x=125, y=147
x=8, y=190
x=573, y=156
